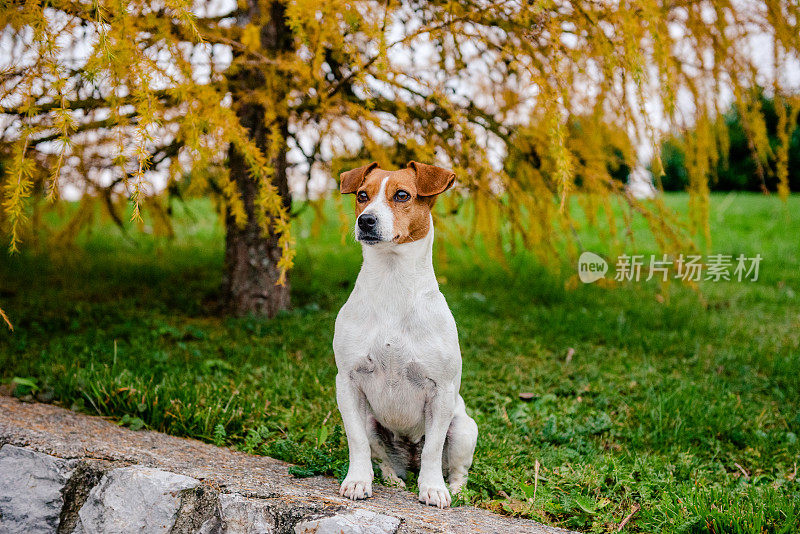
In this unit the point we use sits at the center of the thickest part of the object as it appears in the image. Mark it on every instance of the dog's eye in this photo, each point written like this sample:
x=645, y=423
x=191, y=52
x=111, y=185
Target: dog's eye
x=362, y=196
x=401, y=196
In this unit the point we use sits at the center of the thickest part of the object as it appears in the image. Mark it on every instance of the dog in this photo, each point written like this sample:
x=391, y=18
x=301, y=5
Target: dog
x=396, y=344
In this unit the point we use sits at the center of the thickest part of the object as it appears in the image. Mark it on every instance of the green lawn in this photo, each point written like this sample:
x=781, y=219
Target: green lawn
x=686, y=405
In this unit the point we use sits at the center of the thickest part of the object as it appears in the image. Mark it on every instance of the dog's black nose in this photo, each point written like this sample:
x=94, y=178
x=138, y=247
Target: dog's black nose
x=367, y=221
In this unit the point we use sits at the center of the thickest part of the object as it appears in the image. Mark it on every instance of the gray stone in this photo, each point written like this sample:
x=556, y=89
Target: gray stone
x=133, y=499
x=240, y=515
x=86, y=475
x=30, y=490
x=198, y=506
x=355, y=522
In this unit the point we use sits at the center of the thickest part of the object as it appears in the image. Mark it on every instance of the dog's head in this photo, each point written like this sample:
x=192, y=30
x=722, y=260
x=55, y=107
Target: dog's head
x=394, y=206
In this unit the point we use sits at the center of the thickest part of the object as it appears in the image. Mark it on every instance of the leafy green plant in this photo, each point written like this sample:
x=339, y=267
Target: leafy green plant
x=24, y=386
x=134, y=423
x=220, y=435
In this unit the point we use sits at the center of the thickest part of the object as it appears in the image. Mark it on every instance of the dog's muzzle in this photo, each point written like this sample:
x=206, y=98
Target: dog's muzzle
x=368, y=229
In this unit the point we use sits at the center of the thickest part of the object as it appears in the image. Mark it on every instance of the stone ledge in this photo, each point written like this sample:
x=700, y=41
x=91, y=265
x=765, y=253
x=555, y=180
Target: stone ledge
x=77, y=474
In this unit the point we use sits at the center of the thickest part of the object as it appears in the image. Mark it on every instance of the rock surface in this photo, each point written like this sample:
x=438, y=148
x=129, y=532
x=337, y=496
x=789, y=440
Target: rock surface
x=30, y=490
x=185, y=486
x=134, y=499
x=357, y=522
x=240, y=515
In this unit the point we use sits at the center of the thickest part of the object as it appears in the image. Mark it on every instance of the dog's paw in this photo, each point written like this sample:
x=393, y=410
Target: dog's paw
x=355, y=489
x=434, y=494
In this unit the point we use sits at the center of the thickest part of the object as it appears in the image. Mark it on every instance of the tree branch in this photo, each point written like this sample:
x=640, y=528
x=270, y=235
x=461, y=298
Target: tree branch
x=94, y=125
x=87, y=104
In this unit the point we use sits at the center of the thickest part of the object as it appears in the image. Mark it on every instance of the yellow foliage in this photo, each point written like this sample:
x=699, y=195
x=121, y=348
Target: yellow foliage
x=157, y=87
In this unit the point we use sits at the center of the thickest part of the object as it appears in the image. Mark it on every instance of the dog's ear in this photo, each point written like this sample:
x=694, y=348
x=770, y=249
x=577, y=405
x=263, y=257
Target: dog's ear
x=351, y=180
x=432, y=180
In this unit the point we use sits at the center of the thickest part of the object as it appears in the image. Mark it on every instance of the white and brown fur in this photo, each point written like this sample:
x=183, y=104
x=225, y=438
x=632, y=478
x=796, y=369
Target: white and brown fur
x=396, y=344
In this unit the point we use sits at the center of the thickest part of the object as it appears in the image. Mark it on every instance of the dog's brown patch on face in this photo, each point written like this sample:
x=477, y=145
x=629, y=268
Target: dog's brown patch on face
x=371, y=186
x=412, y=216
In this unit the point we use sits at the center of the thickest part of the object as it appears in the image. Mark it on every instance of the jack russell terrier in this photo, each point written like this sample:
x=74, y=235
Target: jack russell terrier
x=396, y=345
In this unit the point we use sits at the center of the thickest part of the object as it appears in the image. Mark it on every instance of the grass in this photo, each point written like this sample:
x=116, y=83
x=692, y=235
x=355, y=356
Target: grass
x=687, y=407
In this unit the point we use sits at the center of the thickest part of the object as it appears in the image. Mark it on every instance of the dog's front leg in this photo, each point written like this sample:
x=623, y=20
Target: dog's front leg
x=353, y=405
x=438, y=414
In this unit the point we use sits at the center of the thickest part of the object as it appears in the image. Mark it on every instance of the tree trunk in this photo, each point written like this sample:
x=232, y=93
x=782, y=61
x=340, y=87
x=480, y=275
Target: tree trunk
x=251, y=255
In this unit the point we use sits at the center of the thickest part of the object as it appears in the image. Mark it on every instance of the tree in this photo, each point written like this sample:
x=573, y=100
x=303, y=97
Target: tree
x=110, y=97
x=595, y=147
x=738, y=168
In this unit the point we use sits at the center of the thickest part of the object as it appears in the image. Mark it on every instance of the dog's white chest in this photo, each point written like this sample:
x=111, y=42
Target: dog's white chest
x=395, y=384
x=396, y=355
